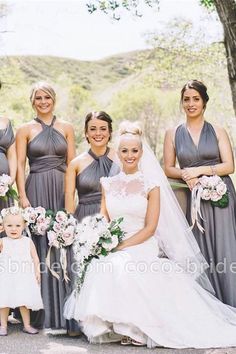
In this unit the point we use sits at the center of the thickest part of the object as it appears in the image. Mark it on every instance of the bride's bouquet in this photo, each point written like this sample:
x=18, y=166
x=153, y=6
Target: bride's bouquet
x=211, y=188
x=94, y=237
x=6, y=190
x=61, y=234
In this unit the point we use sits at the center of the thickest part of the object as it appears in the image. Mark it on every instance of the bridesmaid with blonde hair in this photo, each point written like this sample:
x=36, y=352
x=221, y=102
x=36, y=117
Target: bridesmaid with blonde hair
x=49, y=145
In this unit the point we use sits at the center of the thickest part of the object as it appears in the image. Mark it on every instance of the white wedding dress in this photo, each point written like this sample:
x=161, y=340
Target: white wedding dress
x=136, y=293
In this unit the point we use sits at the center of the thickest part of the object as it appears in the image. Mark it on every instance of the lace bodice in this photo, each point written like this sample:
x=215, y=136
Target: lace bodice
x=126, y=196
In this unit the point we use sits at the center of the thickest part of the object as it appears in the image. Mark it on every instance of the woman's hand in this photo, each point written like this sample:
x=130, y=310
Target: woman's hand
x=189, y=173
x=24, y=202
x=192, y=183
x=120, y=247
x=38, y=276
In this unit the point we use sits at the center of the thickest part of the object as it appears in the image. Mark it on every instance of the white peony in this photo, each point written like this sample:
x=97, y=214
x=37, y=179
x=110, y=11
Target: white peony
x=112, y=245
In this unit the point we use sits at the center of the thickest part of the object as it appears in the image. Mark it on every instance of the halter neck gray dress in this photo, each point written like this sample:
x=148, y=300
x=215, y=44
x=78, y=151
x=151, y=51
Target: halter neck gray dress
x=218, y=242
x=88, y=184
x=47, y=154
x=90, y=193
x=6, y=140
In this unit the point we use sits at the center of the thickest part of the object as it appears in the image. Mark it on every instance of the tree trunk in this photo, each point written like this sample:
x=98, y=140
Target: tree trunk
x=227, y=13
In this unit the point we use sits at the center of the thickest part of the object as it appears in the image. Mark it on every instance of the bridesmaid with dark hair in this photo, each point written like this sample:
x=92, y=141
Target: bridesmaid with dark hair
x=204, y=149
x=8, y=162
x=49, y=145
x=84, y=172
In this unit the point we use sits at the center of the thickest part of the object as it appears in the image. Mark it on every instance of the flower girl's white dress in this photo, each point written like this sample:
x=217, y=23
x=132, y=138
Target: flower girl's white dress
x=134, y=292
x=19, y=286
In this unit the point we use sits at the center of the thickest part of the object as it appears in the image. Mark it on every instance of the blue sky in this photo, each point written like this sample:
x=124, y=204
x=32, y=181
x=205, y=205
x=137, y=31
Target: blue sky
x=66, y=29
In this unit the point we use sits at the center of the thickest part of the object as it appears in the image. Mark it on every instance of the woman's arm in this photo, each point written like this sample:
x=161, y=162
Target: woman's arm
x=12, y=161
x=35, y=259
x=151, y=221
x=103, y=209
x=226, y=154
x=70, y=184
x=21, y=146
x=170, y=156
x=70, y=137
x=1, y=243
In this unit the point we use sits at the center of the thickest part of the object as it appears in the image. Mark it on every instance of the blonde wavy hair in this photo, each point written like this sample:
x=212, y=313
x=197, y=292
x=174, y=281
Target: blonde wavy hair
x=44, y=86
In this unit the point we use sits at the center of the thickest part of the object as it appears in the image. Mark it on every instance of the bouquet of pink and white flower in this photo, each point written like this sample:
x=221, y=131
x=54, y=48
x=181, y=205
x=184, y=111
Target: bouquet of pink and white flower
x=6, y=190
x=62, y=230
x=209, y=188
x=214, y=189
x=95, y=237
x=61, y=234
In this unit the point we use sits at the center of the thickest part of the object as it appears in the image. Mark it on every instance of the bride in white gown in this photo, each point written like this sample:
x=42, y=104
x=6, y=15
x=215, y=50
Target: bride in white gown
x=136, y=296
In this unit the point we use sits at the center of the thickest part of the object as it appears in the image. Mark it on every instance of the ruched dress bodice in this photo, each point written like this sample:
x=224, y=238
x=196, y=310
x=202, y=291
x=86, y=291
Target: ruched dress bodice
x=47, y=154
x=88, y=184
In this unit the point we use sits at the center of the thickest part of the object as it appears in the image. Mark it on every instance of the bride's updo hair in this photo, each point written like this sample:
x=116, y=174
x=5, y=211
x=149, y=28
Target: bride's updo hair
x=127, y=127
x=130, y=129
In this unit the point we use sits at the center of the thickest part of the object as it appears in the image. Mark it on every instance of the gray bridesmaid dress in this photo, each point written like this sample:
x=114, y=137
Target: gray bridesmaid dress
x=218, y=242
x=47, y=154
x=88, y=184
x=6, y=140
x=90, y=194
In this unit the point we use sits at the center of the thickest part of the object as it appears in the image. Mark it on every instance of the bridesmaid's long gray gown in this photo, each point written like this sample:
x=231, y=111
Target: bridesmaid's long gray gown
x=47, y=154
x=89, y=190
x=6, y=140
x=218, y=242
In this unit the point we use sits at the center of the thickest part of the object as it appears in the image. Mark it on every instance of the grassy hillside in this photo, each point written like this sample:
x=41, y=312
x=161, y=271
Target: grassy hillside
x=143, y=85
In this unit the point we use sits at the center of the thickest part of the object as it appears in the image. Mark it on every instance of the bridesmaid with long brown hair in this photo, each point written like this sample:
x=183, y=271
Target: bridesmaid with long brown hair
x=203, y=148
x=49, y=145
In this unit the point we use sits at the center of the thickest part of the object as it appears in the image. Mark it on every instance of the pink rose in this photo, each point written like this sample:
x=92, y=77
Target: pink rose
x=215, y=196
x=61, y=216
x=221, y=188
x=206, y=194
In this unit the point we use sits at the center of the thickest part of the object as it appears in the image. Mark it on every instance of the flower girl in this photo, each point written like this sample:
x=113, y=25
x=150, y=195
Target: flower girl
x=19, y=271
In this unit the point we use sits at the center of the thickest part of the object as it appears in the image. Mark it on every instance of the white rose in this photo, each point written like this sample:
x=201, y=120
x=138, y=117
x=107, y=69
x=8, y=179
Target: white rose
x=204, y=181
x=113, y=244
x=5, y=180
x=3, y=190
x=206, y=194
x=215, y=196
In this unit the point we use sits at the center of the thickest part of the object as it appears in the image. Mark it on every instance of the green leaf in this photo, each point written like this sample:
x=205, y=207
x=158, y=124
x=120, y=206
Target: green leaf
x=104, y=252
x=178, y=185
x=222, y=203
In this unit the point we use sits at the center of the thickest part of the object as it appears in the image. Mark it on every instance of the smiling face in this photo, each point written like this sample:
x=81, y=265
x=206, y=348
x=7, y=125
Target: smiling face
x=130, y=152
x=193, y=104
x=13, y=225
x=97, y=132
x=43, y=103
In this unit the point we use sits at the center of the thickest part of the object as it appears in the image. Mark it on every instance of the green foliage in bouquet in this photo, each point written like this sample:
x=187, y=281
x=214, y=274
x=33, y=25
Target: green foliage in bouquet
x=223, y=202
